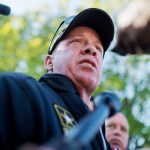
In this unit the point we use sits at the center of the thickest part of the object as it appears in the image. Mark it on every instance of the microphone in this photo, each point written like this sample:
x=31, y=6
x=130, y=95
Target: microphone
x=4, y=10
x=110, y=99
x=107, y=104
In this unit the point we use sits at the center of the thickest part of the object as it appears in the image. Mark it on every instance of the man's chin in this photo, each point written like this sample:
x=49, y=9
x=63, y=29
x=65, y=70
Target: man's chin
x=90, y=84
x=88, y=79
x=116, y=145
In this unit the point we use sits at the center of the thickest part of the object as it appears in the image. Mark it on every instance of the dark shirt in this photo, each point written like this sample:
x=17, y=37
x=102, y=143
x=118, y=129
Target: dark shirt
x=37, y=111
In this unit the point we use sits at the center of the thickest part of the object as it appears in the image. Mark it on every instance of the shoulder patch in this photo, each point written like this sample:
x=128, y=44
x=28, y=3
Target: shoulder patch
x=66, y=119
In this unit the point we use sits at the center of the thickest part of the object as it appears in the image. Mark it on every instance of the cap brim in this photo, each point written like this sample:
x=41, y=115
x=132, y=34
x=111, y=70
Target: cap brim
x=96, y=19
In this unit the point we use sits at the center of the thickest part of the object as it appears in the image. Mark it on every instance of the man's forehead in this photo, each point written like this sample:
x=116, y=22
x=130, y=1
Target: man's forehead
x=83, y=30
x=118, y=118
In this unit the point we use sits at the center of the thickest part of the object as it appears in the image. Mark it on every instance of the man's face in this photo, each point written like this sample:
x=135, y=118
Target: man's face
x=117, y=131
x=79, y=56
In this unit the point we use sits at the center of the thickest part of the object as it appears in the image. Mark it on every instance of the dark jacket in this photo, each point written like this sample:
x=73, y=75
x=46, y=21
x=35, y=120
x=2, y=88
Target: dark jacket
x=37, y=111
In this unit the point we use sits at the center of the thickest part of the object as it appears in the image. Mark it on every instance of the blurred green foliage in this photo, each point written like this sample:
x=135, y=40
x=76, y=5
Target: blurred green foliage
x=24, y=42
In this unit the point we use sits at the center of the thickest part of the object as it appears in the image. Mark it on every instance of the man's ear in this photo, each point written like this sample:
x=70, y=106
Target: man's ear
x=48, y=63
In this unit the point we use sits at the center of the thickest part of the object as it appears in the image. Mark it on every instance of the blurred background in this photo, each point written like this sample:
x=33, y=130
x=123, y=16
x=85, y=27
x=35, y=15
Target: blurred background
x=24, y=39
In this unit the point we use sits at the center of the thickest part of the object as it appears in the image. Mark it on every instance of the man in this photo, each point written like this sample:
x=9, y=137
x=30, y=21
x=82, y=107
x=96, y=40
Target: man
x=134, y=29
x=117, y=131
x=36, y=112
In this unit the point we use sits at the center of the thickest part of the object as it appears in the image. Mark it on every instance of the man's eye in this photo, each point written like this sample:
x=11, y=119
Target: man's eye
x=99, y=48
x=76, y=41
x=111, y=126
x=124, y=129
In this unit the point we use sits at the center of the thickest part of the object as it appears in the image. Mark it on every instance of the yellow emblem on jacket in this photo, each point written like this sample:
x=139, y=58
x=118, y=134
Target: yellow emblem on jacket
x=66, y=119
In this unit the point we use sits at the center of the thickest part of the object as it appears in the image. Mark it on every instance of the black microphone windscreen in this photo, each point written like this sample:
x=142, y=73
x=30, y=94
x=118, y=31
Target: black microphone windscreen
x=110, y=99
x=4, y=10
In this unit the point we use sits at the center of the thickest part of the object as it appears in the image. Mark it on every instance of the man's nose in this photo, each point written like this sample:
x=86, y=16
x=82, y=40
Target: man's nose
x=117, y=131
x=89, y=49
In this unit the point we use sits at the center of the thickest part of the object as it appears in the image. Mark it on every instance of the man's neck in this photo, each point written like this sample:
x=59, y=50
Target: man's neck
x=86, y=98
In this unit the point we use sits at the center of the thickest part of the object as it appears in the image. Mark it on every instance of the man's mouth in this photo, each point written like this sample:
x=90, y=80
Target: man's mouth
x=88, y=62
x=115, y=142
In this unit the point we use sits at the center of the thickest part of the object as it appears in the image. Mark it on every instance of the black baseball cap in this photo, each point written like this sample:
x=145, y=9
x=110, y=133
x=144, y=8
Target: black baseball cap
x=94, y=18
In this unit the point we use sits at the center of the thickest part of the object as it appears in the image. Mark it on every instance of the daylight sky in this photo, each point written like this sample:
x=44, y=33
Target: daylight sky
x=19, y=7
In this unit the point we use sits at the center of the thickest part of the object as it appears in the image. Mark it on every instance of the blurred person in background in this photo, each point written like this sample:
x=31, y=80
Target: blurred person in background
x=117, y=131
